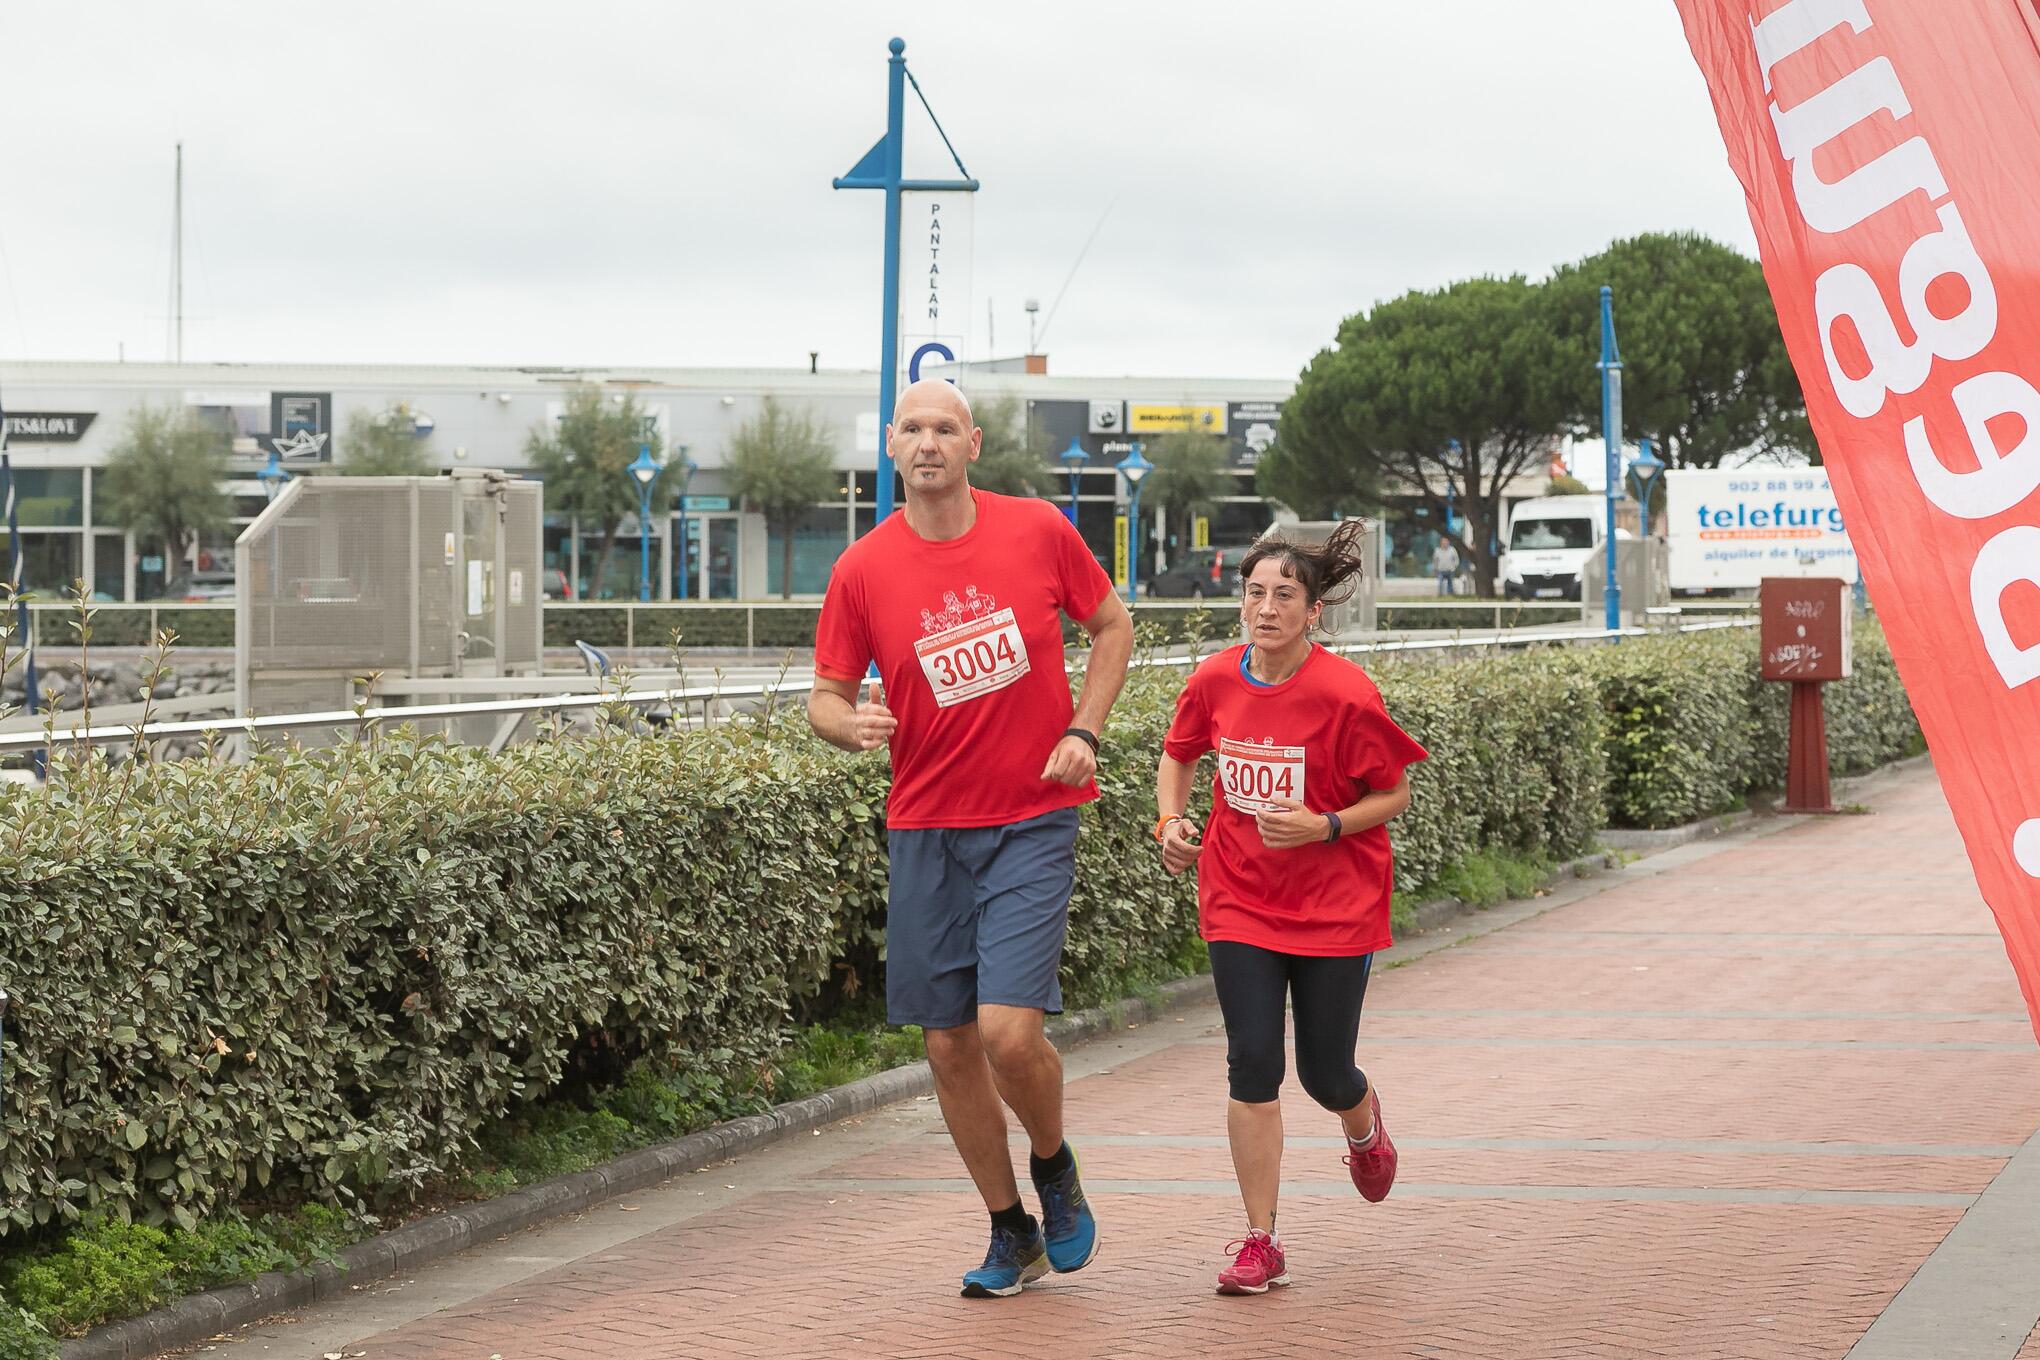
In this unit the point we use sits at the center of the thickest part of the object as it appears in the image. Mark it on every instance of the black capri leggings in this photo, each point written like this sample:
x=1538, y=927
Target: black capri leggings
x=1326, y=994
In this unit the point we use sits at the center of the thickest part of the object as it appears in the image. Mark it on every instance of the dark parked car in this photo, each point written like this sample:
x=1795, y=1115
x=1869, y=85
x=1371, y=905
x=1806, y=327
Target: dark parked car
x=1200, y=572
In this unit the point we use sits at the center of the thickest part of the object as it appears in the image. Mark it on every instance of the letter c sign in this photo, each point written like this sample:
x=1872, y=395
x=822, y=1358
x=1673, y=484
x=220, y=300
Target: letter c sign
x=932, y=347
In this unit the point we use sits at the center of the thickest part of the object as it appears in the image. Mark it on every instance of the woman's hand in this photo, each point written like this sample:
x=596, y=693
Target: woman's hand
x=1180, y=845
x=1291, y=826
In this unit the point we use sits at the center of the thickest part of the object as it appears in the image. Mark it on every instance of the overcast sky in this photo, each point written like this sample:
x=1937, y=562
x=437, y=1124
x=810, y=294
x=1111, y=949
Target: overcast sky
x=620, y=184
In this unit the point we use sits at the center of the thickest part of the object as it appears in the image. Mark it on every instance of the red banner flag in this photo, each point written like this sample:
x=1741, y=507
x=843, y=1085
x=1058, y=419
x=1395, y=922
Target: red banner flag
x=1890, y=152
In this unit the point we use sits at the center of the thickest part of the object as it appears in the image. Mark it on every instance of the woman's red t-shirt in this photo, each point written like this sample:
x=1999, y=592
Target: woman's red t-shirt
x=1325, y=732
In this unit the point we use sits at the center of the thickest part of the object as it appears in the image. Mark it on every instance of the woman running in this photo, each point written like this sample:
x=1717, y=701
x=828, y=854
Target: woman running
x=1293, y=871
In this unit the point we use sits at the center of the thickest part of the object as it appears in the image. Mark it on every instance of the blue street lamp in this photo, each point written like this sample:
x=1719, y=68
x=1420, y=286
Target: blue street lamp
x=1647, y=469
x=1074, y=458
x=1453, y=447
x=1134, y=469
x=644, y=472
x=688, y=467
x=272, y=476
x=1611, y=438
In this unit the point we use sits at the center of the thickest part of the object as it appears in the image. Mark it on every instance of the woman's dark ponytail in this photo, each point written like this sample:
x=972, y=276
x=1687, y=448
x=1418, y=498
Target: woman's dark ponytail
x=1321, y=568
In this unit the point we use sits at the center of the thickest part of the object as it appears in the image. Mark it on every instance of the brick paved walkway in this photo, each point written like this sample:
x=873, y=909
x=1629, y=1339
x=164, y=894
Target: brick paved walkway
x=1724, y=1105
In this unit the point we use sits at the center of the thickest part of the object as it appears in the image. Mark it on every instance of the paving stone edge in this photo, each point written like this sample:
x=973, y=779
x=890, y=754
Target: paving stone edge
x=199, y=1317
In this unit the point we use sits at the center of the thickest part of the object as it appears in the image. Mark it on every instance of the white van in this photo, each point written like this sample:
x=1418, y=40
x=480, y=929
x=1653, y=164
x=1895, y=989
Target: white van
x=1549, y=539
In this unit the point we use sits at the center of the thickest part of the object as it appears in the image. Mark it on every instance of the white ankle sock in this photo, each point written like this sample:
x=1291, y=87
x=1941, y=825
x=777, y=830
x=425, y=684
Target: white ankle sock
x=1362, y=1144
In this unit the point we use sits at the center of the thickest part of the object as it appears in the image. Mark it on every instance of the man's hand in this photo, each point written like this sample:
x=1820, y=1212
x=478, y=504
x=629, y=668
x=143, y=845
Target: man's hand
x=1291, y=826
x=871, y=722
x=1071, y=762
x=1180, y=845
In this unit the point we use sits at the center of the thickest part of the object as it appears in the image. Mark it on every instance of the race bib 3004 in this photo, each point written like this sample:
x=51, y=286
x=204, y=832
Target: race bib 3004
x=1254, y=775
x=973, y=659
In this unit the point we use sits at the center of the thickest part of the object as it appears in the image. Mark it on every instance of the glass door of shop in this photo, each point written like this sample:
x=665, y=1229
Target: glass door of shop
x=711, y=571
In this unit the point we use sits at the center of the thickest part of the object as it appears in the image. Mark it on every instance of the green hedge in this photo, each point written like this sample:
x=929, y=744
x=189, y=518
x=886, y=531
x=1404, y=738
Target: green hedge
x=1691, y=727
x=321, y=975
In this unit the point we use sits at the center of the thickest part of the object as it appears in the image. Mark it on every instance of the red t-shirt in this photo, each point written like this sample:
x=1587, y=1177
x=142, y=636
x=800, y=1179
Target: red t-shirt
x=1325, y=732
x=968, y=639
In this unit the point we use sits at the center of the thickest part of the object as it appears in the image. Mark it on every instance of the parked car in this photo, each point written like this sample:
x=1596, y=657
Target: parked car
x=1199, y=572
x=200, y=586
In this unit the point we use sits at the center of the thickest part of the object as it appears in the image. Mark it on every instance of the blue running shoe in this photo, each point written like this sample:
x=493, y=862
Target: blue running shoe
x=1066, y=1220
x=1013, y=1262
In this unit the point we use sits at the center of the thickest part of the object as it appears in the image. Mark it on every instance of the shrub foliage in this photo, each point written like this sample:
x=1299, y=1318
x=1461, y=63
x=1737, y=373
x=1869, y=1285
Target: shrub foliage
x=324, y=975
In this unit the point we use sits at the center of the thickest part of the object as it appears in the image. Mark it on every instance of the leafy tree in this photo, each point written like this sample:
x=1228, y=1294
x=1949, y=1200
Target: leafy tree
x=583, y=460
x=1190, y=475
x=164, y=481
x=1704, y=368
x=1458, y=389
x=1565, y=484
x=382, y=444
x=1009, y=462
x=781, y=463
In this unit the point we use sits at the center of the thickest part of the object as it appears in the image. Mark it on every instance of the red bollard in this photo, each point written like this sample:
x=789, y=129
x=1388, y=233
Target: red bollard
x=1806, y=759
x=1806, y=639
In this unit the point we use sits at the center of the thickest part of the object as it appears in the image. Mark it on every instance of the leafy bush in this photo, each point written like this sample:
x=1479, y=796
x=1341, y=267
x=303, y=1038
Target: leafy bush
x=1692, y=727
x=332, y=975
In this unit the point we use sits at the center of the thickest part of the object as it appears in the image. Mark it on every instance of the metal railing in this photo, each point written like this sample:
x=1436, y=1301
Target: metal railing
x=729, y=696
x=708, y=624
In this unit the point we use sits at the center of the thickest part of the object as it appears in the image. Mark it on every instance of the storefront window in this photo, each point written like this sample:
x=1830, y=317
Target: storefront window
x=49, y=496
x=51, y=562
x=818, y=540
x=109, y=566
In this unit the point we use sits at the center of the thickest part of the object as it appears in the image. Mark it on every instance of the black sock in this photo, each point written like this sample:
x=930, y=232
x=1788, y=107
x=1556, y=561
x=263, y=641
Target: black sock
x=1015, y=1219
x=1046, y=1168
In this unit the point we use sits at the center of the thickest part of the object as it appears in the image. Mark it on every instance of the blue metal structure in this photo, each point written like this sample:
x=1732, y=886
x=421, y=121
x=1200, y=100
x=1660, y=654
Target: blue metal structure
x=32, y=699
x=1074, y=458
x=1611, y=435
x=1134, y=468
x=880, y=169
x=272, y=476
x=688, y=467
x=644, y=472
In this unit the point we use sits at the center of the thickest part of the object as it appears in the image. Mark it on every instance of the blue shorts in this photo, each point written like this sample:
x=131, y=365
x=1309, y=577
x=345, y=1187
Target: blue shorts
x=976, y=915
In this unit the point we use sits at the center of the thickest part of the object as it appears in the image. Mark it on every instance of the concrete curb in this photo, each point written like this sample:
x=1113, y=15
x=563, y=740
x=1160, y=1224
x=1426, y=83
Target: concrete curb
x=198, y=1317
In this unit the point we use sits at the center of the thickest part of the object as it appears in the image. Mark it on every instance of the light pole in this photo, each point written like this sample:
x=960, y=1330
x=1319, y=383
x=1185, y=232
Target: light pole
x=1074, y=458
x=644, y=472
x=272, y=476
x=1648, y=468
x=688, y=467
x=1134, y=469
x=1611, y=439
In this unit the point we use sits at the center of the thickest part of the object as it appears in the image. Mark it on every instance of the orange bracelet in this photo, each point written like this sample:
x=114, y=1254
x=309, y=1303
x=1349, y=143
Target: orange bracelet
x=1162, y=824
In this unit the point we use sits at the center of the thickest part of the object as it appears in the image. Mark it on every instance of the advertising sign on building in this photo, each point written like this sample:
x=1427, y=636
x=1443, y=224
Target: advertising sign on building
x=1733, y=529
x=935, y=247
x=1252, y=425
x=1107, y=417
x=1156, y=418
x=301, y=426
x=48, y=427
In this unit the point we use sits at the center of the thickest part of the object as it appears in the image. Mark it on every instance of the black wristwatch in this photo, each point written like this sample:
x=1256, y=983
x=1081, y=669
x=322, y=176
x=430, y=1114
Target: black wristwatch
x=1334, y=828
x=1089, y=738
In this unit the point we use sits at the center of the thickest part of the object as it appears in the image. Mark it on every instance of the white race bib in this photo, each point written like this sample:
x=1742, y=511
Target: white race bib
x=1253, y=776
x=973, y=659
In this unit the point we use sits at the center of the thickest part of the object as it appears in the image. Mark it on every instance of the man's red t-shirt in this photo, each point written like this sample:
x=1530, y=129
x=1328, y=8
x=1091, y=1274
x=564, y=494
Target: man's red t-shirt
x=967, y=634
x=1322, y=736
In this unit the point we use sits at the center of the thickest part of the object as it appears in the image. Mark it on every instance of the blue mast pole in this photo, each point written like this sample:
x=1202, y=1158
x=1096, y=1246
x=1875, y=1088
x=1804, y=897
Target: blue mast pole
x=15, y=566
x=889, y=332
x=1611, y=437
x=882, y=168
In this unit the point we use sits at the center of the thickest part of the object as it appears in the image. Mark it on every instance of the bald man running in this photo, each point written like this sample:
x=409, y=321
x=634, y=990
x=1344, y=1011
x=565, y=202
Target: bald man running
x=959, y=600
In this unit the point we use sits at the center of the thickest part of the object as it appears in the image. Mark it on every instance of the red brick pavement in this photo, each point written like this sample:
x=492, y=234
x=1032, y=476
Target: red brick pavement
x=1837, y=984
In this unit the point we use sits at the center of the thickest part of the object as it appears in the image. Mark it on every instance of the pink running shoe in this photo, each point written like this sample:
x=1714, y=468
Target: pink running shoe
x=1373, y=1166
x=1257, y=1263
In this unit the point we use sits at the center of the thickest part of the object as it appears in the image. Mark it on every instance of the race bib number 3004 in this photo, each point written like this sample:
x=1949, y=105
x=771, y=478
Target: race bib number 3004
x=1253, y=776
x=973, y=659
